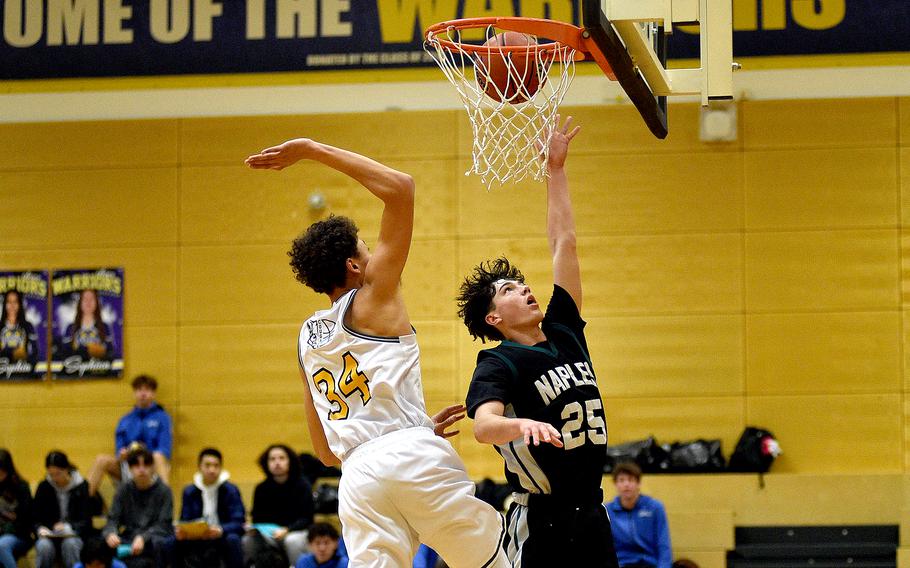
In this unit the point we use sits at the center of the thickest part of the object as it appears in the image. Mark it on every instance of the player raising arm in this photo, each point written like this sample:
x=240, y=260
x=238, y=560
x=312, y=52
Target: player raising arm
x=535, y=396
x=359, y=358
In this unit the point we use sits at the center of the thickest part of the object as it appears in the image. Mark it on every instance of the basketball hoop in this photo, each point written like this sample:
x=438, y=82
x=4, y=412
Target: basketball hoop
x=511, y=89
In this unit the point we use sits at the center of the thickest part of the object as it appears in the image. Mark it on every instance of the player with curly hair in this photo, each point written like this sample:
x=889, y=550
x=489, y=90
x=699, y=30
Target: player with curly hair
x=535, y=397
x=364, y=404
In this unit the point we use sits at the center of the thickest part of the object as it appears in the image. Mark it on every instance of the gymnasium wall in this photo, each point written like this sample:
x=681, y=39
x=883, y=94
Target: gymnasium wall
x=756, y=282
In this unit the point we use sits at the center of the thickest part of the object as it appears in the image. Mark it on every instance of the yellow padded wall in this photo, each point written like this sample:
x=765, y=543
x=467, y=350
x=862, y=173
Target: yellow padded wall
x=805, y=189
x=904, y=167
x=822, y=270
x=379, y=135
x=93, y=208
x=668, y=355
x=89, y=145
x=856, y=352
x=831, y=123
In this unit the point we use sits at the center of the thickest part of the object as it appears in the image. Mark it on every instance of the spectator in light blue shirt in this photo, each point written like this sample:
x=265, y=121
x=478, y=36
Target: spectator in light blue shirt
x=641, y=534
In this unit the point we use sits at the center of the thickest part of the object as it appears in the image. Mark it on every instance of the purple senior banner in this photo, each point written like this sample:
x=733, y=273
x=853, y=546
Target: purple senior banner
x=23, y=335
x=87, y=309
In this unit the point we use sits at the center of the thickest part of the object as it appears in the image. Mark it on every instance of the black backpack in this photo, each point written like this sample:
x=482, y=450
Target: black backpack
x=650, y=456
x=696, y=456
x=325, y=499
x=755, y=451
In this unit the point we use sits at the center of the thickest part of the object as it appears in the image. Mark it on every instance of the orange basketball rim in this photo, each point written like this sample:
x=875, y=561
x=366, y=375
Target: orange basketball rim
x=560, y=33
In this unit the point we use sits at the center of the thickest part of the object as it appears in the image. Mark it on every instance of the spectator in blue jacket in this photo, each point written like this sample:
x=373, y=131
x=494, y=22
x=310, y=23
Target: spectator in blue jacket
x=149, y=424
x=640, y=530
x=323, y=540
x=216, y=500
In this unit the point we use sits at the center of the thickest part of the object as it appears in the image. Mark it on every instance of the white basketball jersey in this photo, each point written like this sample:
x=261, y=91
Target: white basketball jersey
x=363, y=386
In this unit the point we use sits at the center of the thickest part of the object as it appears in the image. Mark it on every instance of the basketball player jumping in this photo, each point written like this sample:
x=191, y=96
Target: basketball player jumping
x=535, y=396
x=402, y=484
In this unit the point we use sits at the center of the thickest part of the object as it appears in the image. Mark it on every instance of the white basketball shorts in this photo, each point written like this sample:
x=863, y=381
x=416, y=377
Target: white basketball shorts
x=408, y=487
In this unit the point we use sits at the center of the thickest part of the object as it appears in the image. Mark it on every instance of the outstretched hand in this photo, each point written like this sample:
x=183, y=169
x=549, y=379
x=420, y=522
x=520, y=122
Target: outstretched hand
x=283, y=155
x=536, y=433
x=560, y=137
x=447, y=417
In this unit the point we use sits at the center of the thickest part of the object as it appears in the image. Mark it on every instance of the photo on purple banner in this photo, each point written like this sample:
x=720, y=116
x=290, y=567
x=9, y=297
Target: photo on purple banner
x=23, y=337
x=87, y=315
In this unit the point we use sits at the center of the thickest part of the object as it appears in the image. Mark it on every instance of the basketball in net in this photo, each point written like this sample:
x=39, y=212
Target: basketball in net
x=512, y=76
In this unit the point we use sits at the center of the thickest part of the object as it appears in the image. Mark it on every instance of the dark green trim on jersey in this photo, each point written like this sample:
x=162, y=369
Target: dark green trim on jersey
x=549, y=350
x=575, y=337
x=505, y=360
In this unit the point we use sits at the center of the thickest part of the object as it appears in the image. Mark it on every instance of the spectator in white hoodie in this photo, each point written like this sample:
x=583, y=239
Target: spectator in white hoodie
x=211, y=497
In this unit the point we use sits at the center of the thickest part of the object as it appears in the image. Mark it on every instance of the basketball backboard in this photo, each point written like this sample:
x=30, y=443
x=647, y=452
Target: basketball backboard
x=632, y=37
x=512, y=89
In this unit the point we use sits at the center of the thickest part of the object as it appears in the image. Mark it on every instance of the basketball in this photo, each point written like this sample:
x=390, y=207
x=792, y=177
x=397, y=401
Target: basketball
x=512, y=77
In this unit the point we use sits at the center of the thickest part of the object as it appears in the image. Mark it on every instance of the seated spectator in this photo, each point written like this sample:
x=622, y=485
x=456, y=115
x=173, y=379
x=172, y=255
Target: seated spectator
x=96, y=554
x=149, y=424
x=62, y=517
x=426, y=557
x=284, y=499
x=216, y=500
x=641, y=534
x=141, y=515
x=15, y=512
x=322, y=539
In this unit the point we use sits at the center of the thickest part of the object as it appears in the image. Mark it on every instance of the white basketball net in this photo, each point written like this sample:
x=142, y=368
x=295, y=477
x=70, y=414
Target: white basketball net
x=507, y=132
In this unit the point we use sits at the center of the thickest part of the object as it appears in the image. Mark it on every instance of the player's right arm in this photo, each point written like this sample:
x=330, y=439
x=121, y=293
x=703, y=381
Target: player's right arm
x=491, y=427
x=380, y=308
x=317, y=434
x=560, y=217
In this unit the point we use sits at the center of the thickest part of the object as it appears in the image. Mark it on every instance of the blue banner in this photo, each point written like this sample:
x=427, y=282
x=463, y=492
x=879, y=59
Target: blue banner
x=810, y=27
x=123, y=38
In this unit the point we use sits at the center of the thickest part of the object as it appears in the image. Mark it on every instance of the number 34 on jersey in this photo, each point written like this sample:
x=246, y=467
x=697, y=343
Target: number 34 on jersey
x=338, y=390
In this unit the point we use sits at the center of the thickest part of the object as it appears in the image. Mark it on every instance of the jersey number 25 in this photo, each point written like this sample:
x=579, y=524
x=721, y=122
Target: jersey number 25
x=349, y=382
x=592, y=416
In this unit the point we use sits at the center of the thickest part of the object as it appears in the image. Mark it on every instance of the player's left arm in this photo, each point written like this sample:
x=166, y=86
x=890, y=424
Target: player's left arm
x=492, y=427
x=560, y=218
x=314, y=425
